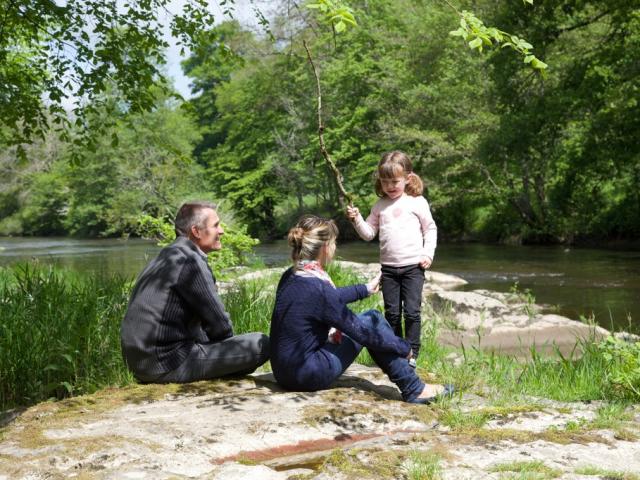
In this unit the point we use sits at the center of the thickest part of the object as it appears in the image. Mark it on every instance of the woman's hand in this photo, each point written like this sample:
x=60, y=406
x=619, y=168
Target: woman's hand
x=352, y=212
x=374, y=284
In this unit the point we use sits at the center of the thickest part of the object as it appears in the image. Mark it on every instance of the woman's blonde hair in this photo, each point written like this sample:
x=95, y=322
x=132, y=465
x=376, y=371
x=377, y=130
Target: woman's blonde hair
x=309, y=235
x=398, y=164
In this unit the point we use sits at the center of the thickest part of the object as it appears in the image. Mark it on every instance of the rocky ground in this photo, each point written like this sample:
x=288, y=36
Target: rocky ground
x=249, y=428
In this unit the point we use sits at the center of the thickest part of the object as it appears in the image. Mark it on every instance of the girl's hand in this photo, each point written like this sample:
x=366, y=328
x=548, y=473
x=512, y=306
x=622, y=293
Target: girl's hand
x=374, y=285
x=352, y=212
x=425, y=263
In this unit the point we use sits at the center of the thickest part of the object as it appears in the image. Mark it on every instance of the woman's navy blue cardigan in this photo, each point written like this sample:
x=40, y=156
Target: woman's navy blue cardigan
x=305, y=309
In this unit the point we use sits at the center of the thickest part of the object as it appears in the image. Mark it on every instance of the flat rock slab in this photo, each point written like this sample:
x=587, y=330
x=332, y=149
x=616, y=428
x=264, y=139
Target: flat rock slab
x=504, y=322
x=250, y=428
x=191, y=429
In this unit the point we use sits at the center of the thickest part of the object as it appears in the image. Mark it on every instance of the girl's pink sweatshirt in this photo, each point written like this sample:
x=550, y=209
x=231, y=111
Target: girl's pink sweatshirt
x=406, y=229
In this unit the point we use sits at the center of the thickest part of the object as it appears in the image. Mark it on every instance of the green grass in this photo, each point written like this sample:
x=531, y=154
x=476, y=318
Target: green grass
x=608, y=474
x=423, y=466
x=60, y=336
x=59, y=333
x=459, y=420
x=533, y=470
x=60, y=330
x=585, y=374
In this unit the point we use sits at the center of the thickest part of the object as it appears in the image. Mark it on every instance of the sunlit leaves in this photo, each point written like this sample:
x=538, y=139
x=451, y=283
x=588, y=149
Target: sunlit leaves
x=335, y=13
x=478, y=36
x=58, y=58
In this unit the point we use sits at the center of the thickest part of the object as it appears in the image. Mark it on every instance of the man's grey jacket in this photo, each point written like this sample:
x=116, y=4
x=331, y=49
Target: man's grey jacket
x=174, y=305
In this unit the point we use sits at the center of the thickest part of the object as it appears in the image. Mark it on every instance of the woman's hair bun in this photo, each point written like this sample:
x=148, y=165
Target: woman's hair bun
x=295, y=237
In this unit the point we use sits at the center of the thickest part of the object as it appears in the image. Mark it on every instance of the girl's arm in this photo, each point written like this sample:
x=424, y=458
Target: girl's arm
x=366, y=229
x=429, y=229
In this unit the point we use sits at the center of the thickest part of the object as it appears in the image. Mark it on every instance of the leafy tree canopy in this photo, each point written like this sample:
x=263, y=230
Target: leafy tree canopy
x=54, y=53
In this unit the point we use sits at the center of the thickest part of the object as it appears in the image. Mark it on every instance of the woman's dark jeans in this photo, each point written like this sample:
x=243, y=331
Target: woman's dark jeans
x=396, y=367
x=402, y=293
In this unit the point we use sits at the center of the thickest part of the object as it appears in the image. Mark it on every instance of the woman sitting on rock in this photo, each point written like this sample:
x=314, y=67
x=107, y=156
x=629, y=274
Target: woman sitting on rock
x=314, y=335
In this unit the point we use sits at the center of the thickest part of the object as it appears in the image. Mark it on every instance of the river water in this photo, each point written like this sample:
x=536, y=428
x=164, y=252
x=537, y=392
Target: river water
x=572, y=281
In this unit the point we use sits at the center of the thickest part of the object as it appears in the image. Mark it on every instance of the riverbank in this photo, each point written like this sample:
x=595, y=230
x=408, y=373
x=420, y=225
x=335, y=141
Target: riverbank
x=534, y=413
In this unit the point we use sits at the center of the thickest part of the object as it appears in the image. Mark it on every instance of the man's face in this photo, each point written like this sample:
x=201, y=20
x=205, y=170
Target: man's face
x=208, y=236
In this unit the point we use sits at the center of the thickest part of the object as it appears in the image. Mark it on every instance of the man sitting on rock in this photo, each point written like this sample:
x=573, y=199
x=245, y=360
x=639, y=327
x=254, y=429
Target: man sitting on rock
x=176, y=328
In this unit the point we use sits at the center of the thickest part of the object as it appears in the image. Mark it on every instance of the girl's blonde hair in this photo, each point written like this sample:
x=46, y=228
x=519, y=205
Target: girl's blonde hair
x=309, y=235
x=398, y=164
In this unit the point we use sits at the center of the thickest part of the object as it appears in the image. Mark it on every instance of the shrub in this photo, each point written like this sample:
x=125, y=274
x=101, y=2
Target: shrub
x=623, y=367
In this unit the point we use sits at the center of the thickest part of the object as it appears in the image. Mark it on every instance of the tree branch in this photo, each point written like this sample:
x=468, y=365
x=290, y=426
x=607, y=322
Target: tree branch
x=589, y=21
x=323, y=149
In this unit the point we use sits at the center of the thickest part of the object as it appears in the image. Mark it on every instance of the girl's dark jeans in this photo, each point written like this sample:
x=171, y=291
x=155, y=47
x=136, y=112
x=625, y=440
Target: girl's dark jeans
x=402, y=292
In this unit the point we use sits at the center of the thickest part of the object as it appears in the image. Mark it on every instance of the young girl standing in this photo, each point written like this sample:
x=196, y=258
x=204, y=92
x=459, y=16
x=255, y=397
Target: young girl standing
x=408, y=237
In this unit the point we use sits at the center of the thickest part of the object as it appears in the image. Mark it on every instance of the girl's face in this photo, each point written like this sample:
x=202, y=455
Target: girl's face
x=394, y=187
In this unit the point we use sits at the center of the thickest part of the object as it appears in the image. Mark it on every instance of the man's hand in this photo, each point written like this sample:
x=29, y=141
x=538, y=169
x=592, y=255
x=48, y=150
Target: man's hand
x=374, y=285
x=352, y=213
x=425, y=263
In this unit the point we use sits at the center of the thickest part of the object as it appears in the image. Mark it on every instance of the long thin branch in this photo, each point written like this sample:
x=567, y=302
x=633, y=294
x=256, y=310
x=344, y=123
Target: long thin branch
x=323, y=148
x=584, y=23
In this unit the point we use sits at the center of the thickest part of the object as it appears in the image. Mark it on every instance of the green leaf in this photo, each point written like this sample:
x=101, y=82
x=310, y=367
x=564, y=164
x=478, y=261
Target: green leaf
x=476, y=43
x=529, y=58
x=340, y=26
x=68, y=387
x=67, y=357
x=538, y=64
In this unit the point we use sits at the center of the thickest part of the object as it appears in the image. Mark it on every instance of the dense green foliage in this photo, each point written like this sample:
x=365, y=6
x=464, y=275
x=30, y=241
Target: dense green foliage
x=59, y=336
x=147, y=170
x=506, y=154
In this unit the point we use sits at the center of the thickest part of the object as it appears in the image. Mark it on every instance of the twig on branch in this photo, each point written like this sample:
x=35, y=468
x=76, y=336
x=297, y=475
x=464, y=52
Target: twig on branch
x=323, y=148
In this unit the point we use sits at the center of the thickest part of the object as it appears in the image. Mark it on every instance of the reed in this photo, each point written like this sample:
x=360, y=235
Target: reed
x=59, y=333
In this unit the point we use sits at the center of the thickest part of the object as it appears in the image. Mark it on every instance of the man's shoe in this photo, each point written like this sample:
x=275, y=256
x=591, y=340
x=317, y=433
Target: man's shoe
x=448, y=392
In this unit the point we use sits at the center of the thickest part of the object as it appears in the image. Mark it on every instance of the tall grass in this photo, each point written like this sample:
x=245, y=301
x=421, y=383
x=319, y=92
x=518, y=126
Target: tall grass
x=586, y=374
x=60, y=336
x=59, y=333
